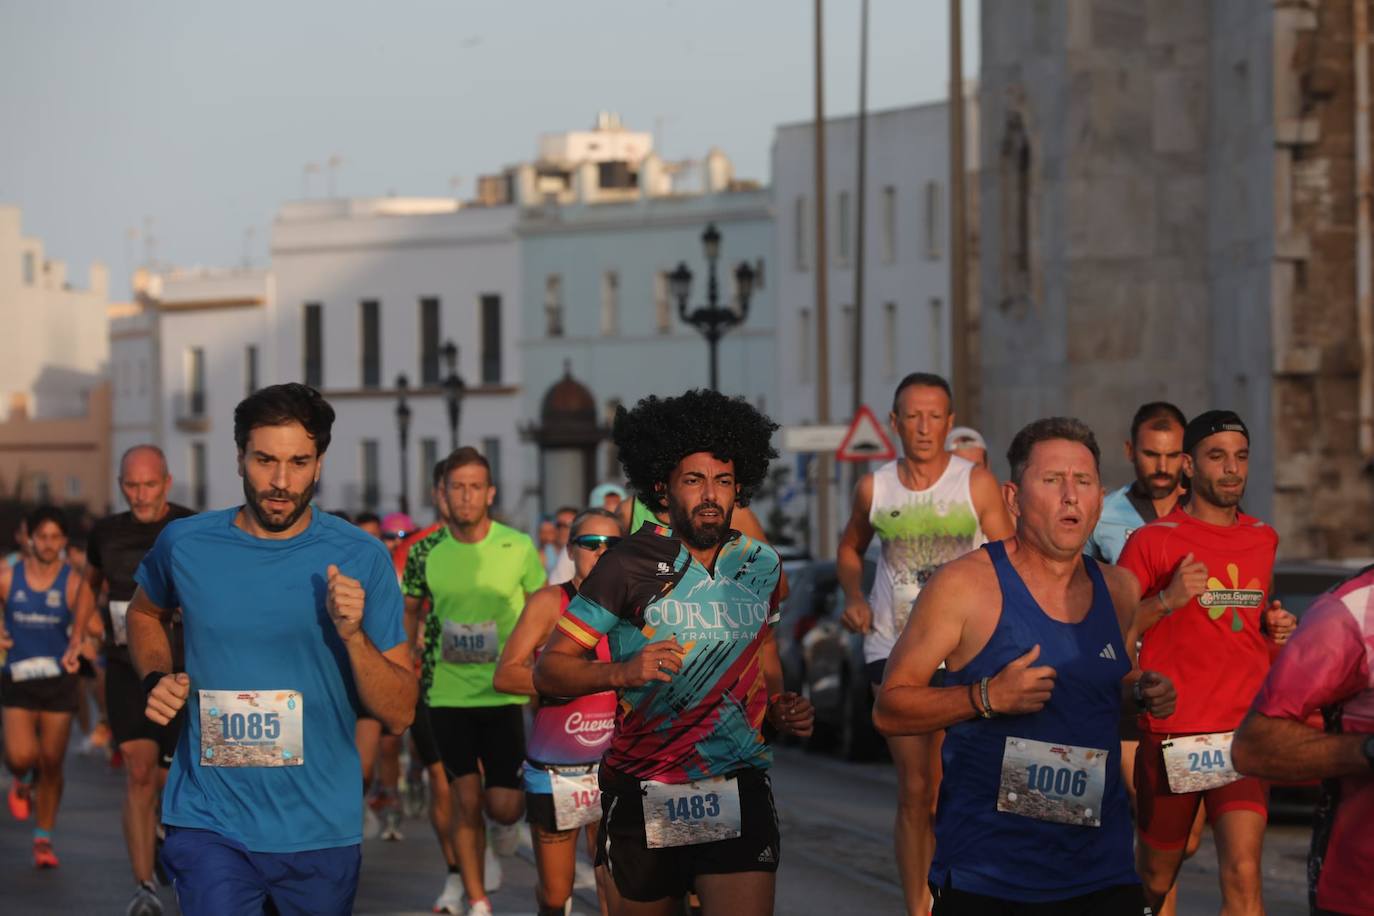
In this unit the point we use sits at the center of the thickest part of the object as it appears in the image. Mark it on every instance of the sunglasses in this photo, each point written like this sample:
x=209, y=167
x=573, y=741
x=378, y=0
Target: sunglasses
x=596, y=541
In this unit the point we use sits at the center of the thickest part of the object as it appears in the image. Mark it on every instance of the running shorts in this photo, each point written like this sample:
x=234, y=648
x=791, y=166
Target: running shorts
x=1122, y=900
x=422, y=732
x=50, y=694
x=643, y=874
x=1165, y=819
x=494, y=735
x=126, y=704
x=214, y=874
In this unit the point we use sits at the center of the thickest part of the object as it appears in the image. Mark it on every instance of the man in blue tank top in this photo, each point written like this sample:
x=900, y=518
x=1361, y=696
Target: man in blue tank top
x=1032, y=815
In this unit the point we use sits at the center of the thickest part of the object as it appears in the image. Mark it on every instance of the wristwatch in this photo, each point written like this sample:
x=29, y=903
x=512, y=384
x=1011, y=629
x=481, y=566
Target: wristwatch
x=1369, y=751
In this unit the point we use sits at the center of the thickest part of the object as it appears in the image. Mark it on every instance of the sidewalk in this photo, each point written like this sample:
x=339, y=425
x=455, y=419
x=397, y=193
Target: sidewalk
x=398, y=878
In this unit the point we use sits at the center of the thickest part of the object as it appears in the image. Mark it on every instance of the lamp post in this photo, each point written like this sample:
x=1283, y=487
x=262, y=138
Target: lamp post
x=403, y=430
x=454, y=389
x=713, y=320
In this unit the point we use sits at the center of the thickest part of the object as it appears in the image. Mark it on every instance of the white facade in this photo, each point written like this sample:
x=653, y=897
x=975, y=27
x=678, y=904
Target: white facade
x=54, y=348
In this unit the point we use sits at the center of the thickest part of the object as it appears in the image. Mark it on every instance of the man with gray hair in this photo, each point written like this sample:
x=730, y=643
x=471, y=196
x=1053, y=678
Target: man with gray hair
x=116, y=547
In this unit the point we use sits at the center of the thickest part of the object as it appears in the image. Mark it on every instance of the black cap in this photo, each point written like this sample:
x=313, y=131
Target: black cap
x=1209, y=424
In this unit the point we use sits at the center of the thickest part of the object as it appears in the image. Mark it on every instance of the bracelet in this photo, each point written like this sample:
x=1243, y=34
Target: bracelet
x=1140, y=703
x=988, y=711
x=973, y=701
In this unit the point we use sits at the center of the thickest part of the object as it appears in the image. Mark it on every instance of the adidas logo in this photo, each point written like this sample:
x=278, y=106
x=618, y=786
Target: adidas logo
x=19, y=595
x=767, y=856
x=1107, y=652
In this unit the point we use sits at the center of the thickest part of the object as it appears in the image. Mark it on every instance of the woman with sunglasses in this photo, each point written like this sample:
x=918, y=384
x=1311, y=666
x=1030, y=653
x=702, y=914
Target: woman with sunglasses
x=569, y=735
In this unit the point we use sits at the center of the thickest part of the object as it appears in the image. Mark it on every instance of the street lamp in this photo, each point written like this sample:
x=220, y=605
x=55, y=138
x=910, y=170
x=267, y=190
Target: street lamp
x=713, y=320
x=403, y=430
x=454, y=389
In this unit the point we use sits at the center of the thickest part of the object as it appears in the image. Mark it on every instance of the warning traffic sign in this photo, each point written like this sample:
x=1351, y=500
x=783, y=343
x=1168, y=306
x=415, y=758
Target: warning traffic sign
x=865, y=440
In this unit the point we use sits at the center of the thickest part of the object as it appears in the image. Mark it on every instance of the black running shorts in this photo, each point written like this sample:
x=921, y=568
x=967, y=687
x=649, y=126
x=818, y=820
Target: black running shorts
x=125, y=705
x=643, y=874
x=422, y=732
x=495, y=735
x=1122, y=900
x=49, y=694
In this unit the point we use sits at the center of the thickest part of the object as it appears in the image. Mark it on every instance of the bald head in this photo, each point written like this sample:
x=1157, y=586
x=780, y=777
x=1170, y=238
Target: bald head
x=144, y=480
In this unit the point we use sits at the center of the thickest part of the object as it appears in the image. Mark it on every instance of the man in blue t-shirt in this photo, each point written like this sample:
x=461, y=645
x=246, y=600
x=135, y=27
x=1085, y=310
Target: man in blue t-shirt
x=1155, y=451
x=293, y=626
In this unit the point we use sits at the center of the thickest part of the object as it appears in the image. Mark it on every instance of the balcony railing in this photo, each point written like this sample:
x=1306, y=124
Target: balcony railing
x=188, y=409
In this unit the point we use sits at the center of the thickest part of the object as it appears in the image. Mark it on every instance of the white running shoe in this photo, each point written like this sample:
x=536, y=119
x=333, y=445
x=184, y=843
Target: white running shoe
x=492, y=871
x=480, y=908
x=451, y=900
x=505, y=837
x=144, y=903
x=372, y=824
x=391, y=826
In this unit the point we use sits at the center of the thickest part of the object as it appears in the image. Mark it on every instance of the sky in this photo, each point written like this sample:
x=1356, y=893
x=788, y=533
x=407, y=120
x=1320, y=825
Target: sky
x=188, y=123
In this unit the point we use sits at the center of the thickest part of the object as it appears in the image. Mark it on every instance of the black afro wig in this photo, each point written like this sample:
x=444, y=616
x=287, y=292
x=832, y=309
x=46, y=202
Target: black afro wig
x=659, y=432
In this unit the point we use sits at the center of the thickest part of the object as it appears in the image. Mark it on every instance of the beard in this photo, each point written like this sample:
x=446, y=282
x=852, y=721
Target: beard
x=271, y=522
x=1158, y=486
x=1208, y=490
x=698, y=534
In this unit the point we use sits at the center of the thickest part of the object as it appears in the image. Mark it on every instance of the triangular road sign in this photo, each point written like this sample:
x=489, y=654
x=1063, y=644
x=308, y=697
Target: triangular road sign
x=865, y=440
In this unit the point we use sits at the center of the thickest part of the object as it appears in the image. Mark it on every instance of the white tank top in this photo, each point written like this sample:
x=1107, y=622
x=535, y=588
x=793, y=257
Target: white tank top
x=920, y=531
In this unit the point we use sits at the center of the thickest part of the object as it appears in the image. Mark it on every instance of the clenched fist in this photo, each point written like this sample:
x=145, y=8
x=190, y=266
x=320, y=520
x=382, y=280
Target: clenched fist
x=1190, y=580
x=344, y=601
x=166, y=699
x=1156, y=694
x=1278, y=623
x=1019, y=689
x=658, y=661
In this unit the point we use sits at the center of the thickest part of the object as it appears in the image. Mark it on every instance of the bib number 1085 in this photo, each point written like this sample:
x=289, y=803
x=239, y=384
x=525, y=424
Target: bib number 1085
x=693, y=807
x=254, y=726
x=1058, y=780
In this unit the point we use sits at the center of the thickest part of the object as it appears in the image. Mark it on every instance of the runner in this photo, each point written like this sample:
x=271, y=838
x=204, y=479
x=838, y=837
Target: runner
x=1205, y=570
x=1326, y=668
x=477, y=577
x=292, y=623
x=1032, y=816
x=926, y=508
x=569, y=736
x=38, y=683
x=1155, y=451
x=117, y=545
x=969, y=444
x=689, y=612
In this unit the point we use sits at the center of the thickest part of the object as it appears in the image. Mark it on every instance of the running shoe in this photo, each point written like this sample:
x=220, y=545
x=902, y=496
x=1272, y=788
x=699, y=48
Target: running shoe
x=43, y=856
x=492, y=877
x=451, y=900
x=19, y=800
x=391, y=824
x=144, y=903
x=372, y=824
x=505, y=837
x=480, y=908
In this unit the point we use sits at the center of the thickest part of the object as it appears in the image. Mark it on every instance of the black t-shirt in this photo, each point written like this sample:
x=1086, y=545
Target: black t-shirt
x=116, y=546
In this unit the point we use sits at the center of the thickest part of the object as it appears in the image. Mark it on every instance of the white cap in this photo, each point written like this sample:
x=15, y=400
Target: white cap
x=964, y=437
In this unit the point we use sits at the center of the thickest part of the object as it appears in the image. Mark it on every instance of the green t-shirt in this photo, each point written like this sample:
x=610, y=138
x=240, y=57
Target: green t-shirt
x=473, y=589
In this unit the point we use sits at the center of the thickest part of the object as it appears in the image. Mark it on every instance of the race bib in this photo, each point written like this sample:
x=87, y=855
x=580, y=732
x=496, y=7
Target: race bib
x=254, y=728
x=470, y=643
x=35, y=669
x=119, y=622
x=1053, y=782
x=691, y=813
x=1199, y=763
x=576, y=797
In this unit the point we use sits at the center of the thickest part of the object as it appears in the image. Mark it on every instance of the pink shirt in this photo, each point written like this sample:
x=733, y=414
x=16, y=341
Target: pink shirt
x=1328, y=665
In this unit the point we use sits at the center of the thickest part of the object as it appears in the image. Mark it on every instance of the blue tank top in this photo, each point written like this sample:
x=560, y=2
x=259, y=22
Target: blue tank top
x=981, y=850
x=37, y=621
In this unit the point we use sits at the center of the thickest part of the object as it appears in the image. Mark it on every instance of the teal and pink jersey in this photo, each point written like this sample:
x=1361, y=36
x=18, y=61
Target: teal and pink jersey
x=708, y=720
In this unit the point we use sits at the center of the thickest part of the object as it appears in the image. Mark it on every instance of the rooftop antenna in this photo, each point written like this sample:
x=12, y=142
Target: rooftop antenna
x=332, y=164
x=310, y=168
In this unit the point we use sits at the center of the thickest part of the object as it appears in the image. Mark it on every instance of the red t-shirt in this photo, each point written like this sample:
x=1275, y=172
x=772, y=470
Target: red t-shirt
x=402, y=549
x=1212, y=647
x=1329, y=665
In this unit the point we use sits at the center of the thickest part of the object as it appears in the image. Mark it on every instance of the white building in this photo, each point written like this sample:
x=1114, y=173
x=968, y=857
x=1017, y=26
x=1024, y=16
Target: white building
x=54, y=348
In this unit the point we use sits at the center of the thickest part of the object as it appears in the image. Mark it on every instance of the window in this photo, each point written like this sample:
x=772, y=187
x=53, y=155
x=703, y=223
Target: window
x=250, y=369
x=806, y=345
x=491, y=339
x=934, y=211
x=842, y=229
x=491, y=450
x=313, y=345
x=73, y=487
x=370, y=343
x=612, y=453
x=663, y=303
x=1016, y=211
x=890, y=341
x=199, y=496
x=799, y=232
x=30, y=269
x=369, y=460
x=429, y=341
x=195, y=381
x=553, y=305
x=429, y=457
x=937, y=342
x=42, y=488
x=610, y=303
x=889, y=224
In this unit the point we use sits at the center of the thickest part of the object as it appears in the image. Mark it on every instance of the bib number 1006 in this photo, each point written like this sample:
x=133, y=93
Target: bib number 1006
x=1057, y=780
x=693, y=807
x=254, y=726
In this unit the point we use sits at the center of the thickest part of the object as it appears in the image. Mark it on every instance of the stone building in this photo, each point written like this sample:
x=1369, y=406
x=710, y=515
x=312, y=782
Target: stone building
x=1168, y=209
